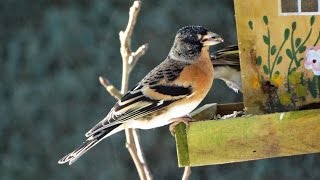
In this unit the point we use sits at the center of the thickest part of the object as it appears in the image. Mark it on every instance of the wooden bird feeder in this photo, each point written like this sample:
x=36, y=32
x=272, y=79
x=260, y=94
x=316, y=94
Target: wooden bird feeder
x=279, y=44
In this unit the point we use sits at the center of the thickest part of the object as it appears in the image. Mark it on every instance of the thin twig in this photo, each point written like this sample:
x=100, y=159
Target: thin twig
x=186, y=173
x=125, y=36
x=129, y=59
x=113, y=91
x=130, y=145
x=136, y=153
x=136, y=56
x=136, y=138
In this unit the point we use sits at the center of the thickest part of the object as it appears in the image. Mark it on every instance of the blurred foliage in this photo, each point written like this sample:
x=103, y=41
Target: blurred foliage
x=51, y=54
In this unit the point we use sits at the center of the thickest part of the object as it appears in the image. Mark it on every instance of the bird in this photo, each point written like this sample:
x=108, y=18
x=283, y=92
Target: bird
x=226, y=64
x=169, y=91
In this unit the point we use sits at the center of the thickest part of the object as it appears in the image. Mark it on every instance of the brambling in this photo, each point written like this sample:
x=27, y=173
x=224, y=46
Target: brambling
x=169, y=91
x=226, y=64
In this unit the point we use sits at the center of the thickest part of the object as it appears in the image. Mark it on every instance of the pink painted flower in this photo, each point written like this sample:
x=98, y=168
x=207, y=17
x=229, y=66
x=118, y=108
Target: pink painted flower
x=312, y=60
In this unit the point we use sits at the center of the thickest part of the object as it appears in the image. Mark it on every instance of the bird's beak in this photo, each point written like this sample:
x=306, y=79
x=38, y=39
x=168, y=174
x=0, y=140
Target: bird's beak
x=211, y=39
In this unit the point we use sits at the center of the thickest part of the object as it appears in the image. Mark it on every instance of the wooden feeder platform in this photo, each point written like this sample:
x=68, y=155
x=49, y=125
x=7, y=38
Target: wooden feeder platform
x=246, y=138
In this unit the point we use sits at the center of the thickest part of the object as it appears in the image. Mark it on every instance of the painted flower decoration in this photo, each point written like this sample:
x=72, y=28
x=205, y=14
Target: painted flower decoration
x=312, y=60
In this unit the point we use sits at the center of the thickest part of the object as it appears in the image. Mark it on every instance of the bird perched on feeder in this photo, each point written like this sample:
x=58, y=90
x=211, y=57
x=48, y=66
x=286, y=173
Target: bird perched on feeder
x=226, y=63
x=168, y=92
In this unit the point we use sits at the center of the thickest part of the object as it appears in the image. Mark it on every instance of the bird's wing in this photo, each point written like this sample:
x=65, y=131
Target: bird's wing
x=226, y=56
x=155, y=92
x=226, y=63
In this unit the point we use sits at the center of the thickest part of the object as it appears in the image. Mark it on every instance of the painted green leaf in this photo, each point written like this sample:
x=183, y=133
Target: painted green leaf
x=286, y=33
x=312, y=87
x=265, y=69
x=293, y=70
x=298, y=41
x=300, y=90
x=273, y=50
x=312, y=20
x=294, y=25
x=265, y=20
x=289, y=53
x=285, y=98
x=302, y=49
x=302, y=77
x=259, y=60
x=318, y=38
x=318, y=79
x=250, y=23
x=279, y=60
x=276, y=74
x=294, y=77
x=266, y=39
x=301, y=59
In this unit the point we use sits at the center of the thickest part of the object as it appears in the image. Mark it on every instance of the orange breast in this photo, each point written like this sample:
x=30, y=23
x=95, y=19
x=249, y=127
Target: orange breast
x=199, y=75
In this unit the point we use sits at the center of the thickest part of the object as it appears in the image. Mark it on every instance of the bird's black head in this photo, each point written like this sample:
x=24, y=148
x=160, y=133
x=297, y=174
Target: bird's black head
x=190, y=40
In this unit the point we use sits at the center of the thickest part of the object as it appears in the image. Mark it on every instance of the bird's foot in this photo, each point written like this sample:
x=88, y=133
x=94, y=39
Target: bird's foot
x=176, y=121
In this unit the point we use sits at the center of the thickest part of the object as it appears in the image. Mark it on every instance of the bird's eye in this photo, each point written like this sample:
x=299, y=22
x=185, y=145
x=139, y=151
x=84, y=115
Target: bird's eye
x=214, y=37
x=192, y=36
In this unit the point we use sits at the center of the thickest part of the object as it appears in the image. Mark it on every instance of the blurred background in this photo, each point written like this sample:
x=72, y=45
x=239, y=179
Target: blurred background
x=51, y=54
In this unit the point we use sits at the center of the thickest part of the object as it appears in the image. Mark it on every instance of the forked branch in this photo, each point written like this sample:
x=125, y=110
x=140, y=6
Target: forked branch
x=129, y=60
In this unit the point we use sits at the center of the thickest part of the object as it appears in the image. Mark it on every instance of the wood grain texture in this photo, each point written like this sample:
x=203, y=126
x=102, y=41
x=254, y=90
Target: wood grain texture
x=249, y=138
x=182, y=146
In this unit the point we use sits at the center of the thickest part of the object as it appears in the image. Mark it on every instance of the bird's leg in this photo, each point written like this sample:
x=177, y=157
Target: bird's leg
x=185, y=119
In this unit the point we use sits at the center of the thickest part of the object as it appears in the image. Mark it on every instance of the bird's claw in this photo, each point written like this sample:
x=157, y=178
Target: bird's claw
x=176, y=121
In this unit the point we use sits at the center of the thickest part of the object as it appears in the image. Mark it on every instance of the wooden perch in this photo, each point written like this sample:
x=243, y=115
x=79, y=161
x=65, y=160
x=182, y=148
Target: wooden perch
x=248, y=138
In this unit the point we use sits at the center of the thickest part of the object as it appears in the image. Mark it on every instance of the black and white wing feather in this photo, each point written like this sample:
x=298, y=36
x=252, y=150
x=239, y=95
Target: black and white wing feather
x=152, y=94
x=226, y=63
x=228, y=56
x=140, y=101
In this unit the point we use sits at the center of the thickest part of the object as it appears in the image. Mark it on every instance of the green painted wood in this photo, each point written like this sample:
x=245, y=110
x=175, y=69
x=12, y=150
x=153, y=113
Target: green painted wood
x=249, y=138
x=182, y=146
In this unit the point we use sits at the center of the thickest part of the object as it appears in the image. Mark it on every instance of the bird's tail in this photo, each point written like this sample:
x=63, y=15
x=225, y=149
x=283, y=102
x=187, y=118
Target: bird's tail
x=89, y=143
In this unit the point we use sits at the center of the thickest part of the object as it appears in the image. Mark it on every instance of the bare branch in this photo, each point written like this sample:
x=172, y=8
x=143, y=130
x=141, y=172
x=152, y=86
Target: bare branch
x=113, y=91
x=129, y=60
x=138, y=53
x=135, y=56
x=141, y=155
x=125, y=45
x=186, y=173
x=125, y=36
x=130, y=145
